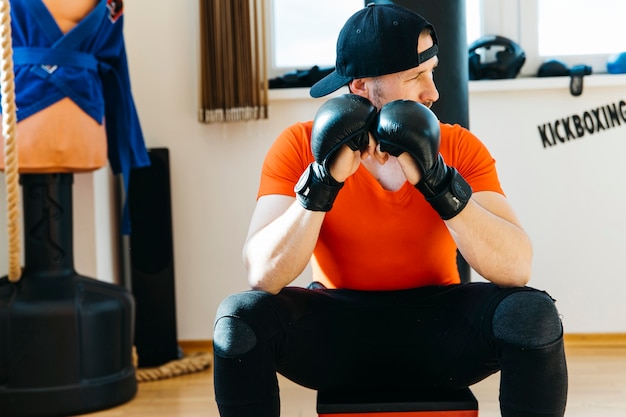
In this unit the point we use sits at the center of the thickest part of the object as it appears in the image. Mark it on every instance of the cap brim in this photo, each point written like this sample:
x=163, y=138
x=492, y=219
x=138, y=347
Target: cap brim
x=329, y=84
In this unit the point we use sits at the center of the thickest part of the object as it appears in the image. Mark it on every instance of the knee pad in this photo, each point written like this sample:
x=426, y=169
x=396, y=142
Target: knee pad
x=232, y=335
x=527, y=318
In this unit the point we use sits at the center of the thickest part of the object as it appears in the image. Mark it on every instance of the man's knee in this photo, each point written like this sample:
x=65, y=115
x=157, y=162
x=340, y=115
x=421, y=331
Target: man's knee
x=233, y=333
x=527, y=318
x=232, y=337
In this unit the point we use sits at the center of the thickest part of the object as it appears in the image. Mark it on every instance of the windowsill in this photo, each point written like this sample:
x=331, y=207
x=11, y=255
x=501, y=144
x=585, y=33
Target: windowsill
x=516, y=84
x=298, y=93
x=544, y=83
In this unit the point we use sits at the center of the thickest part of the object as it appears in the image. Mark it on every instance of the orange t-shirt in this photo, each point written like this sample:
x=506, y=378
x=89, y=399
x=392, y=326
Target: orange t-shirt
x=374, y=239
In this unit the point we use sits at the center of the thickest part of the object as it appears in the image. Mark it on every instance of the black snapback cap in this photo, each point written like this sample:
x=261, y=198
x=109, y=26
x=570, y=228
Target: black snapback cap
x=377, y=40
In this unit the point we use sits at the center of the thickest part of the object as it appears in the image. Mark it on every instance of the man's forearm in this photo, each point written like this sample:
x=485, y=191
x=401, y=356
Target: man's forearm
x=494, y=246
x=280, y=251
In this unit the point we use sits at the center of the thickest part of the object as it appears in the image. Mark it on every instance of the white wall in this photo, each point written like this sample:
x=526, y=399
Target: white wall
x=570, y=197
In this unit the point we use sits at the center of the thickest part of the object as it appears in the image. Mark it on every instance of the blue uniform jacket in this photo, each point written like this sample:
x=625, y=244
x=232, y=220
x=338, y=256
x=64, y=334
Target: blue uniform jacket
x=88, y=64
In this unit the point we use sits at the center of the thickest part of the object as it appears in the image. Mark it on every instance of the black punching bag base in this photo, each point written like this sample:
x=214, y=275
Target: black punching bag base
x=65, y=346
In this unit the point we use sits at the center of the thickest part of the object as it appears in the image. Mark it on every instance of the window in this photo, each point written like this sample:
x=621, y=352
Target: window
x=580, y=29
x=572, y=31
x=473, y=18
x=304, y=34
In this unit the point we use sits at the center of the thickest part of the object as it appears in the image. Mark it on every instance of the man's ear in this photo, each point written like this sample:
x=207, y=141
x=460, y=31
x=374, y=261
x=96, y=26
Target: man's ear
x=359, y=87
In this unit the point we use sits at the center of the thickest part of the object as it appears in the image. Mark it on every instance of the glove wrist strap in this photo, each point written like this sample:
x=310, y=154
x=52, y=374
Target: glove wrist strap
x=452, y=199
x=316, y=189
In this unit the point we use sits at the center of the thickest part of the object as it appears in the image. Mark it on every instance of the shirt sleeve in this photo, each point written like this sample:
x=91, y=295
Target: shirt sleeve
x=461, y=149
x=286, y=160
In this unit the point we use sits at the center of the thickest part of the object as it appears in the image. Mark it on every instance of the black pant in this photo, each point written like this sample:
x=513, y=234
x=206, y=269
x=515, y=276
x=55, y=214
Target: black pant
x=425, y=338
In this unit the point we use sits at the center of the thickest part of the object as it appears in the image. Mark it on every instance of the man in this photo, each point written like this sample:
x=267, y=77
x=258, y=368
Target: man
x=379, y=195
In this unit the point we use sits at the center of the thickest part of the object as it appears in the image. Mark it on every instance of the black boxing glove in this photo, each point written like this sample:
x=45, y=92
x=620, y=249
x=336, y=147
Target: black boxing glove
x=343, y=120
x=408, y=126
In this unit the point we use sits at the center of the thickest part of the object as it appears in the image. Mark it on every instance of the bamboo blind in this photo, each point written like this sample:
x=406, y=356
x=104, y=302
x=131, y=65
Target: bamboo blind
x=234, y=75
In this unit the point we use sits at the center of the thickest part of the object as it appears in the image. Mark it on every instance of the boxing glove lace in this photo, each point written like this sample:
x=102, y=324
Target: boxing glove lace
x=342, y=120
x=408, y=126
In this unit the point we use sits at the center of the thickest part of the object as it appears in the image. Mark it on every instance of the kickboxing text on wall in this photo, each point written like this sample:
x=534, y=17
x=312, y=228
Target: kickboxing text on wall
x=577, y=126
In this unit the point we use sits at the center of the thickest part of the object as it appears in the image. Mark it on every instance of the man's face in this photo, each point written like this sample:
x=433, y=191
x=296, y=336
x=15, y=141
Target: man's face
x=415, y=84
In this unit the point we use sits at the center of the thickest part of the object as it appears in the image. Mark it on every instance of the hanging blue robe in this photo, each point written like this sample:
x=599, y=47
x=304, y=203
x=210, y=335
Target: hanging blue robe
x=88, y=65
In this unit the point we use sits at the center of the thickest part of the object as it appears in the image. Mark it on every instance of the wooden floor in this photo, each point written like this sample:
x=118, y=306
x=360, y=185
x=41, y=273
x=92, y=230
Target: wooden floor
x=597, y=388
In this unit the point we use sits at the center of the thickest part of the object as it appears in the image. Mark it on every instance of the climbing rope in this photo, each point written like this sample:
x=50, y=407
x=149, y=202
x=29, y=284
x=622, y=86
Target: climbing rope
x=194, y=362
x=9, y=131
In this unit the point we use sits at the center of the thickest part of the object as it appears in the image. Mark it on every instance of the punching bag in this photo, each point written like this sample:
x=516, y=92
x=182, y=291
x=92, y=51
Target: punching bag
x=451, y=78
x=65, y=339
